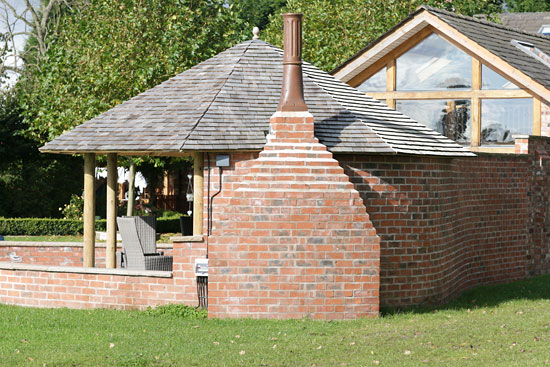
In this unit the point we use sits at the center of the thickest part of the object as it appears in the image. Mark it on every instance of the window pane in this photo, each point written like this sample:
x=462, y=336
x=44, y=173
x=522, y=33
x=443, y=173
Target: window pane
x=376, y=83
x=502, y=118
x=434, y=64
x=448, y=117
x=492, y=80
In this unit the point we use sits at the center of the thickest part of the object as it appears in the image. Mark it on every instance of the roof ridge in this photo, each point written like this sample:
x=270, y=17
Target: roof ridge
x=217, y=93
x=432, y=9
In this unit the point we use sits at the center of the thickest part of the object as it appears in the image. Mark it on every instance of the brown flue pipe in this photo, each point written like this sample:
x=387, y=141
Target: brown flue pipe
x=292, y=93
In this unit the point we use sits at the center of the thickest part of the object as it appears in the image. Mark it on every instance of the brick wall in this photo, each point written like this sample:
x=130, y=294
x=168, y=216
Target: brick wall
x=291, y=237
x=77, y=287
x=447, y=225
x=58, y=253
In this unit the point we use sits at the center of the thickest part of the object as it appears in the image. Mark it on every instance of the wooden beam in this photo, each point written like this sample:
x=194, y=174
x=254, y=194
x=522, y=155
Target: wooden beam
x=475, y=104
x=537, y=109
x=89, y=210
x=383, y=46
x=198, y=190
x=390, y=81
x=452, y=94
x=111, y=210
x=487, y=57
x=380, y=63
x=494, y=149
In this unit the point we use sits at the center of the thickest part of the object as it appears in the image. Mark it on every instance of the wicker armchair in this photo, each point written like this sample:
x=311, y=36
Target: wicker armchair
x=139, y=245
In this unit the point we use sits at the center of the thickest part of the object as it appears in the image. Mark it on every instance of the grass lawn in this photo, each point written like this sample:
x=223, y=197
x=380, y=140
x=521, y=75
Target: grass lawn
x=503, y=325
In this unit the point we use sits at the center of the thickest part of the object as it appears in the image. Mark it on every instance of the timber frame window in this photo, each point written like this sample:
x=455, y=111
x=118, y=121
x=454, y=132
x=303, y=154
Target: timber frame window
x=440, y=84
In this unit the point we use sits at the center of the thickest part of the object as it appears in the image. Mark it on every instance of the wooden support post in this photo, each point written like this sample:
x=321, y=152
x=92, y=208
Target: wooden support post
x=390, y=81
x=131, y=189
x=475, y=108
x=111, y=210
x=537, y=109
x=89, y=210
x=198, y=190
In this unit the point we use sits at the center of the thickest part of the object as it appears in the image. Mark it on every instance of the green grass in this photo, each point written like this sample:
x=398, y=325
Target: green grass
x=503, y=325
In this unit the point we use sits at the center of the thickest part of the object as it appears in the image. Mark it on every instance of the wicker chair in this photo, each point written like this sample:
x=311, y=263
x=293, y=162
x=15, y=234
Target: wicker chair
x=139, y=245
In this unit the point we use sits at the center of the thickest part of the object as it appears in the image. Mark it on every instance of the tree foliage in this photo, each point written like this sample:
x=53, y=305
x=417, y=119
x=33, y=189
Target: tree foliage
x=106, y=52
x=528, y=5
x=31, y=184
x=335, y=30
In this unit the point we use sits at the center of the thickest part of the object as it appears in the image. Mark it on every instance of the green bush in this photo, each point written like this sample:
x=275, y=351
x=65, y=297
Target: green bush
x=67, y=227
x=40, y=226
x=179, y=310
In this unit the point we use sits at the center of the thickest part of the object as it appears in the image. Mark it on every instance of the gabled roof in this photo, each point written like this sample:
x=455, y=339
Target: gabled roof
x=488, y=41
x=527, y=22
x=225, y=103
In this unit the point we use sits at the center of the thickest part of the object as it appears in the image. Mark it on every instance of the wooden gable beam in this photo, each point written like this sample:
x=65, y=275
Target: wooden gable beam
x=414, y=31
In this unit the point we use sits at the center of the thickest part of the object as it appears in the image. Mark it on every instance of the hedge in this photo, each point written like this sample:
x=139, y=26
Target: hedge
x=66, y=227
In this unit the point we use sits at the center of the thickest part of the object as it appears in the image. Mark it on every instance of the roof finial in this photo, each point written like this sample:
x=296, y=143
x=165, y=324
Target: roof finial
x=256, y=33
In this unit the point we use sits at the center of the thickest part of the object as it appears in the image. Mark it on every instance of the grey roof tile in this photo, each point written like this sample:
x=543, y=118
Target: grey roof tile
x=225, y=103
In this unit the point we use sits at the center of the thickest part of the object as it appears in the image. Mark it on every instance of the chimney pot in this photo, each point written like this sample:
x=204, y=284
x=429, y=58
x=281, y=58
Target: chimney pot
x=292, y=93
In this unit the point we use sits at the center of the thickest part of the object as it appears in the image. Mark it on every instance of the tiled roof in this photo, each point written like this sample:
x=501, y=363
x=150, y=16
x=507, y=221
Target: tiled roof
x=225, y=103
x=526, y=22
x=497, y=39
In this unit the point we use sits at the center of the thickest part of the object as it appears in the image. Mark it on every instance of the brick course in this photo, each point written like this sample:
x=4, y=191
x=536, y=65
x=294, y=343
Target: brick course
x=447, y=225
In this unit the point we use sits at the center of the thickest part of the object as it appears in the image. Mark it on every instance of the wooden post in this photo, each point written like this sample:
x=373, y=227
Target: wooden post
x=475, y=104
x=390, y=82
x=198, y=190
x=537, y=109
x=131, y=189
x=89, y=210
x=111, y=210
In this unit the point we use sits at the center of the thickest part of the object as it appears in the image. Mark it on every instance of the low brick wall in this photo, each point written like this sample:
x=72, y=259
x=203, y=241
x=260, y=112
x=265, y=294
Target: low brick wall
x=58, y=253
x=77, y=287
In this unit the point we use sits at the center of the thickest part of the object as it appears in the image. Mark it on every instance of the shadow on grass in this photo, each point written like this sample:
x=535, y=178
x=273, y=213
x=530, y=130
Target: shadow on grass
x=535, y=288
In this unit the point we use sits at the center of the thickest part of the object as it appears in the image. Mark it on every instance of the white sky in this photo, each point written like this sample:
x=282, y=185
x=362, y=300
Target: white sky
x=8, y=20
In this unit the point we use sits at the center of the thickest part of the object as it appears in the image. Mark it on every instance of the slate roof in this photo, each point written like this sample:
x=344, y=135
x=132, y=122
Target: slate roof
x=225, y=103
x=494, y=37
x=526, y=22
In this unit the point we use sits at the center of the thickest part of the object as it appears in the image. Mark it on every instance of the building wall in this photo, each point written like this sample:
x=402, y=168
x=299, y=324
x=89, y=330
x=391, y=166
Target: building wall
x=447, y=225
x=40, y=285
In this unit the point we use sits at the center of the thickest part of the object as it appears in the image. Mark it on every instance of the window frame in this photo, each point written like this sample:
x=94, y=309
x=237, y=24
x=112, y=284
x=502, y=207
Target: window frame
x=476, y=94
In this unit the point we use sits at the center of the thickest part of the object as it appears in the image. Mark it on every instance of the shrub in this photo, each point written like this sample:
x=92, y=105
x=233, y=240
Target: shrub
x=74, y=209
x=66, y=227
x=179, y=310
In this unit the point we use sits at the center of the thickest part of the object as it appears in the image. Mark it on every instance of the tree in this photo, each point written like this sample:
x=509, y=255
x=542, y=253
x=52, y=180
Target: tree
x=109, y=51
x=256, y=12
x=355, y=23
x=527, y=5
x=31, y=184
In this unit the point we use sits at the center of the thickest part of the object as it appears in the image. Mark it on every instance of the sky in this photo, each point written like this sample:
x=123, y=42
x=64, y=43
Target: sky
x=7, y=20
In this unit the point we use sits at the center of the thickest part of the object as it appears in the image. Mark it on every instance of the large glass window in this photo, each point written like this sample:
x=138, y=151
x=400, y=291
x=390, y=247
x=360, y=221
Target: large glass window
x=490, y=80
x=503, y=118
x=448, y=117
x=434, y=64
x=376, y=83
